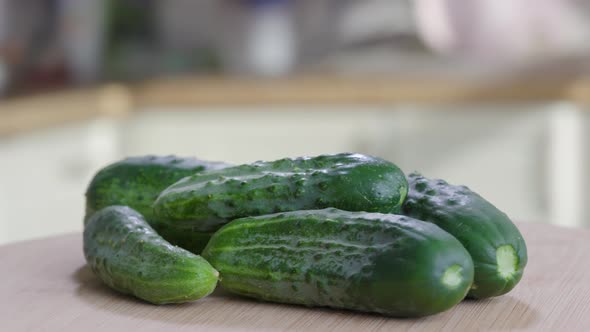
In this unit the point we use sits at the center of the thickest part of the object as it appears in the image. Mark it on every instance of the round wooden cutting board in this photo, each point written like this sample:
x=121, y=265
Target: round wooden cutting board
x=45, y=286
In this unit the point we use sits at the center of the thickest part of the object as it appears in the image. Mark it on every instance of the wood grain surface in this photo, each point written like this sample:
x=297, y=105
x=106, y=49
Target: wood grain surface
x=45, y=286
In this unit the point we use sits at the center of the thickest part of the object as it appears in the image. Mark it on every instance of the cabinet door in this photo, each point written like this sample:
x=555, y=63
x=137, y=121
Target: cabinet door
x=43, y=177
x=247, y=134
x=501, y=151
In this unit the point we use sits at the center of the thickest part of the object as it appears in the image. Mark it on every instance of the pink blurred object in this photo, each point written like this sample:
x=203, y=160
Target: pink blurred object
x=505, y=30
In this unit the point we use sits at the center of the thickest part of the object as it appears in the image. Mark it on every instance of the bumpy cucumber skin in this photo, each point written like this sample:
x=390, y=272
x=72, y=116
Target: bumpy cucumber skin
x=476, y=223
x=130, y=257
x=137, y=181
x=352, y=182
x=370, y=262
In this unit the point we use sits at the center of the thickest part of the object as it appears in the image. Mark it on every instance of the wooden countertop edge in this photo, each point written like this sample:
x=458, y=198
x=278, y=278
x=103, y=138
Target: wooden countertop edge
x=28, y=113
x=339, y=90
x=60, y=108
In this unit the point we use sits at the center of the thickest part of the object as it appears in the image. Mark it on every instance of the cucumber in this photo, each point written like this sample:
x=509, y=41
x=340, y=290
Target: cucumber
x=206, y=201
x=498, y=249
x=372, y=262
x=130, y=257
x=136, y=182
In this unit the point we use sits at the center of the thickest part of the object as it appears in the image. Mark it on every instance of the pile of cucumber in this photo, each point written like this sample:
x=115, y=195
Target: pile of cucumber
x=346, y=231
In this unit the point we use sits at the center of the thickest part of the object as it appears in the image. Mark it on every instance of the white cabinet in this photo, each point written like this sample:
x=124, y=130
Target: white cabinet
x=528, y=159
x=43, y=177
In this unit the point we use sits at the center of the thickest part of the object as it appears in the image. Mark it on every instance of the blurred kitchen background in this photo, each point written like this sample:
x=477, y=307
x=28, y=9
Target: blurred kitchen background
x=491, y=94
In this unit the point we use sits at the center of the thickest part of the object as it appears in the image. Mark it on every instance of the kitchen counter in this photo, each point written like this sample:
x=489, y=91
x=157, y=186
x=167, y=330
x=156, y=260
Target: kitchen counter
x=46, y=286
x=28, y=113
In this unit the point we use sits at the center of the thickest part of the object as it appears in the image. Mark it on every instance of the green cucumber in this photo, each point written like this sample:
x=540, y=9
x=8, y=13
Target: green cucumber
x=130, y=257
x=206, y=201
x=372, y=262
x=498, y=249
x=136, y=182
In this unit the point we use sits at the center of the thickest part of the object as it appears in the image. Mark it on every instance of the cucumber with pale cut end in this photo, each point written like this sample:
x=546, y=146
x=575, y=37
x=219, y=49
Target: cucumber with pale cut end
x=206, y=201
x=383, y=263
x=497, y=247
x=130, y=257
